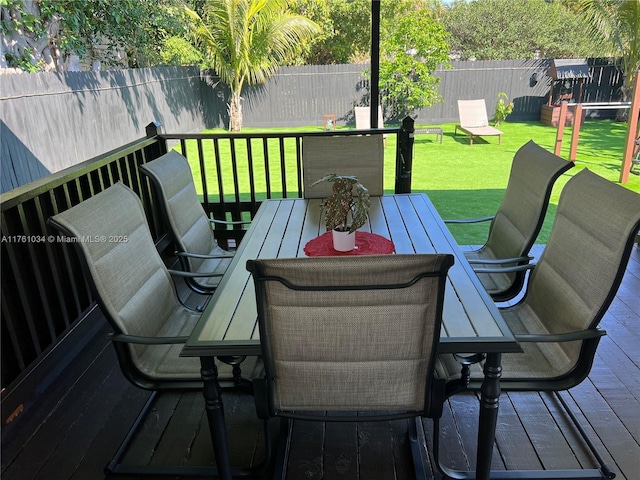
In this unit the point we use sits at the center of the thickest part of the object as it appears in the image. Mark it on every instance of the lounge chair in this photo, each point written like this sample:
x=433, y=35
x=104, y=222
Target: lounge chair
x=474, y=121
x=363, y=119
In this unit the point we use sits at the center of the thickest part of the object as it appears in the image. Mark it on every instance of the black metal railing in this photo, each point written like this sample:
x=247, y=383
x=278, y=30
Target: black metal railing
x=43, y=291
x=234, y=173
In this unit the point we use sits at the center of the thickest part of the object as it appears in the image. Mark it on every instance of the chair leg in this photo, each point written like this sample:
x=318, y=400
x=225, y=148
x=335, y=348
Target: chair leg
x=416, y=450
x=606, y=470
x=115, y=468
x=282, y=450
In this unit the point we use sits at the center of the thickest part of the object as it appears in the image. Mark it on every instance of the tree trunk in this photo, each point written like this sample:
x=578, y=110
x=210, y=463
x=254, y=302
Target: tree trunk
x=235, y=112
x=622, y=115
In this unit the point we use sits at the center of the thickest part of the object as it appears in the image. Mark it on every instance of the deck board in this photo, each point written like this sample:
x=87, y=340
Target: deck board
x=78, y=425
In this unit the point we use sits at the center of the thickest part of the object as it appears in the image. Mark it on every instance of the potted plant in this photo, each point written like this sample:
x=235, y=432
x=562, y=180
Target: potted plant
x=503, y=110
x=346, y=210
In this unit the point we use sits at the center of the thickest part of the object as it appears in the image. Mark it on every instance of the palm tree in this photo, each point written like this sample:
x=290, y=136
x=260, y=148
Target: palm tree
x=245, y=41
x=618, y=21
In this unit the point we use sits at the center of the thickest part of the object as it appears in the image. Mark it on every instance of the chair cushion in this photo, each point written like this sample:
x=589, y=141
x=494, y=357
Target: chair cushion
x=164, y=361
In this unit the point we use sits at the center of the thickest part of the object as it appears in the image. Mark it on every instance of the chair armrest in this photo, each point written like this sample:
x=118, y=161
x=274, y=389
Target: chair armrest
x=500, y=261
x=517, y=268
x=124, y=338
x=471, y=220
x=181, y=273
x=225, y=222
x=561, y=337
x=204, y=257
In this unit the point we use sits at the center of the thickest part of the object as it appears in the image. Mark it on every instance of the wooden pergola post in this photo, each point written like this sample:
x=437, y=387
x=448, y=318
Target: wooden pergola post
x=560, y=131
x=632, y=131
x=575, y=134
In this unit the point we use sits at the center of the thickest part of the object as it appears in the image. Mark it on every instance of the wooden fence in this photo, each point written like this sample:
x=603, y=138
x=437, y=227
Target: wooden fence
x=50, y=121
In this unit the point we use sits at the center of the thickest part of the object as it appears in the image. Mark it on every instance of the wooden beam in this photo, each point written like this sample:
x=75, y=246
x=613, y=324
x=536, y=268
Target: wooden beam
x=560, y=131
x=575, y=134
x=632, y=131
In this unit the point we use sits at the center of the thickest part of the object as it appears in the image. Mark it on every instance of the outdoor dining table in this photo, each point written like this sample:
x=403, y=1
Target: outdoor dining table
x=281, y=229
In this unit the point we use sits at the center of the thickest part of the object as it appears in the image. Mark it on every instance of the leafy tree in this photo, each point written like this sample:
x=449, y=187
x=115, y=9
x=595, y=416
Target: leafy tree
x=346, y=31
x=43, y=34
x=245, y=41
x=179, y=51
x=517, y=29
x=412, y=45
x=618, y=21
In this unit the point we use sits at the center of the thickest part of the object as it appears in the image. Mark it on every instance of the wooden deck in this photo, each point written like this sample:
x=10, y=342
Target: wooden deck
x=85, y=413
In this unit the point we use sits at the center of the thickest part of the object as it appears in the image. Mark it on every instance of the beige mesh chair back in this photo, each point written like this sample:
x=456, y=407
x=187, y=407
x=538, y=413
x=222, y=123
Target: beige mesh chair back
x=132, y=286
x=186, y=220
x=360, y=156
x=349, y=334
x=474, y=121
x=518, y=220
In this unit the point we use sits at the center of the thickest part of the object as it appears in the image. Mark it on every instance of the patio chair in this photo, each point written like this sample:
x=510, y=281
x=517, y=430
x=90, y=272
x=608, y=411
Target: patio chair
x=347, y=335
x=363, y=119
x=361, y=156
x=568, y=293
x=187, y=222
x=517, y=222
x=137, y=296
x=474, y=121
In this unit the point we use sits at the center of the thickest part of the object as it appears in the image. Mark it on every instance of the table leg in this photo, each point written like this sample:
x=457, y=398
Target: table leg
x=215, y=415
x=489, y=400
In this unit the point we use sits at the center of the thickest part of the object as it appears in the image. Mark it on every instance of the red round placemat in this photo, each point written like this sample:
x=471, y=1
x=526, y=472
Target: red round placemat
x=366, y=244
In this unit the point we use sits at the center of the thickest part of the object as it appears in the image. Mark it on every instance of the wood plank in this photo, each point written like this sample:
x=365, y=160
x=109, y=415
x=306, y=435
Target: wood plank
x=512, y=439
x=608, y=427
x=549, y=443
x=452, y=451
x=376, y=452
x=580, y=449
x=112, y=432
x=176, y=440
x=401, y=448
x=306, y=454
x=341, y=460
x=71, y=406
x=142, y=449
x=397, y=231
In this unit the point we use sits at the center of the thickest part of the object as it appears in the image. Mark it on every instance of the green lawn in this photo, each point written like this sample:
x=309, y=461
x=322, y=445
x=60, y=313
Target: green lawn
x=465, y=181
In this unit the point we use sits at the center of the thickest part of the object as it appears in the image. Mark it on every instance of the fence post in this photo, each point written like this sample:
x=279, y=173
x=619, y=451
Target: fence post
x=152, y=152
x=404, y=156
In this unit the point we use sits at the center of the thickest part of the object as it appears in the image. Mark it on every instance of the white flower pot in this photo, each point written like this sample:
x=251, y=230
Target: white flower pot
x=344, y=241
